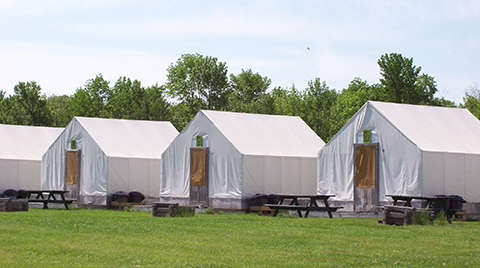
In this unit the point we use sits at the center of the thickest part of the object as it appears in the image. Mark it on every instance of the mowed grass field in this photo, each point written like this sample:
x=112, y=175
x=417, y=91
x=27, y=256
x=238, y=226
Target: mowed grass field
x=103, y=238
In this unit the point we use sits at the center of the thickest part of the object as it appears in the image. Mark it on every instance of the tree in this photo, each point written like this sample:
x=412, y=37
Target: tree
x=199, y=82
x=30, y=106
x=91, y=99
x=249, y=86
x=60, y=109
x=287, y=101
x=246, y=89
x=156, y=104
x=402, y=82
x=317, y=108
x=125, y=100
x=472, y=100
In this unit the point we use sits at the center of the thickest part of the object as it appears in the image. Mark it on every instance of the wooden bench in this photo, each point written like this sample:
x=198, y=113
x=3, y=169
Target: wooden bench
x=294, y=204
x=48, y=201
x=122, y=205
x=48, y=196
x=302, y=208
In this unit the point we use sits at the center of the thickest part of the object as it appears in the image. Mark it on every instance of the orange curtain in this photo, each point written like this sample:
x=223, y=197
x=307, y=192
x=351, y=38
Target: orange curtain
x=365, y=166
x=197, y=166
x=71, y=167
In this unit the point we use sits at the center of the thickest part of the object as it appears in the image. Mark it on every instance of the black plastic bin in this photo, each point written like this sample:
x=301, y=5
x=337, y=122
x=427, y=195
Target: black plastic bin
x=258, y=200
x=22, y=194
x=456, y=202
x=135, y=197
x=438, y=205
x=273, y=199
x=120, y=197
x=10, y=193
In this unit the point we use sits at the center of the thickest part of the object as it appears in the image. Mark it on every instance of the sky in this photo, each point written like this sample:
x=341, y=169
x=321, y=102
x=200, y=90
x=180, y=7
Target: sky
x=62, y=44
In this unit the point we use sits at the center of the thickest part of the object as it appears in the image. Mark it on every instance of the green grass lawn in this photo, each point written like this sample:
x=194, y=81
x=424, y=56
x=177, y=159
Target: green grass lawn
x=101, y=238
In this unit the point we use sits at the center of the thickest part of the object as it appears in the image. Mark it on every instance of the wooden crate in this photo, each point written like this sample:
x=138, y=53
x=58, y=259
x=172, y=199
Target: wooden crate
x=164, y=209
x=261, y=210
x=10, y=204
x=460, y=215
x=397, y=215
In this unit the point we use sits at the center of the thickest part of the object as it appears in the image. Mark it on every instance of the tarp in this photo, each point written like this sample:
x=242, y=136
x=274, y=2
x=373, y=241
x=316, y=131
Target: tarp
x=21, y=150
x=423, y=150
x=248, y=154
x=115, y=155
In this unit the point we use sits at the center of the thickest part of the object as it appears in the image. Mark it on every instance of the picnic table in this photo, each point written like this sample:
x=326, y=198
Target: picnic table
x=312, y=204
x=48, y=196
x=444, y=201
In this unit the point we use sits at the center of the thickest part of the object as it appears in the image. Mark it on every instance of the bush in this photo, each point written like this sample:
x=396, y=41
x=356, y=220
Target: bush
x=209, y=211
x=421, y=218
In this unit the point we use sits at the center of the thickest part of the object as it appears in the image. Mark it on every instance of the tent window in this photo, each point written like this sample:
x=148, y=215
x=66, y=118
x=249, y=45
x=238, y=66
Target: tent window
x=367, y=136
x=200, y=141
x=73, y=145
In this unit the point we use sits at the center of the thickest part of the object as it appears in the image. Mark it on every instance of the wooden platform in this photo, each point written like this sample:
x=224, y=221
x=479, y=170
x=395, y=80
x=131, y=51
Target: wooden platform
x=460, y=215
x=261, y=210
x=121, y=205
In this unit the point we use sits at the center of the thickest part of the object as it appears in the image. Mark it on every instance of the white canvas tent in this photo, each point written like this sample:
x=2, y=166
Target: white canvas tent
x=109, y=155
x=21, y=150
x=243, y=154
x=416, y=150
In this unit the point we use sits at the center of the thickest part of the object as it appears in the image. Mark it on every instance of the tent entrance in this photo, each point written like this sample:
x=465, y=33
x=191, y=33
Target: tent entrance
x=199, y=176
x=366, y=177
x=72, y=173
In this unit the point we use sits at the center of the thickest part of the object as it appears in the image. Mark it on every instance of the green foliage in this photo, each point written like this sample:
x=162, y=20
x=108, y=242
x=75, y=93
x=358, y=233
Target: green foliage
x=472, y=100
x=60, y=108
x=209, y=211
x=199, y=82
x=26, y=107
x=105, y=238
x=247, y=88
x=184, y=212
x=421, y=218
x=318, y=113
x=402, y=81
x=156, y=106
x=90, y=100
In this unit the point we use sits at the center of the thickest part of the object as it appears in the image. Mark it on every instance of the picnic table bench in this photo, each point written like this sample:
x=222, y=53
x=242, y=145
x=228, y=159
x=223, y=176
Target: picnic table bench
x=48, y=196
x=444, y=201
x=312, y=204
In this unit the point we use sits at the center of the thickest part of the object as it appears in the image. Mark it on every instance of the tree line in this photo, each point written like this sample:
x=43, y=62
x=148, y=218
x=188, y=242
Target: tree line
x=196, y=82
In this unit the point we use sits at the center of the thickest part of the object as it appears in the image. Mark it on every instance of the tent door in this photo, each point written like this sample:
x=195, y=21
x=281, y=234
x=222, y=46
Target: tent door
x=366, y=177
x=199, y=176
x=72, y=173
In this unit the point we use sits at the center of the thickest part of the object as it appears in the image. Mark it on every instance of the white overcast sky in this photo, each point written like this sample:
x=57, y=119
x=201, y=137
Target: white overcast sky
x=62, y=44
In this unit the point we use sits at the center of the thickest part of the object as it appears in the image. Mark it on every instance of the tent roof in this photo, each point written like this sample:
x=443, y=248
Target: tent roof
x=26, y=142
x=259, y=134
x=434, y=128
x=129, y=138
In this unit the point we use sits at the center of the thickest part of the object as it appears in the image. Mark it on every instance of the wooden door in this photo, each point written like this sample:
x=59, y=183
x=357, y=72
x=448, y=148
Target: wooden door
x=72, y=168
x=199, y=176
x=366, y=177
